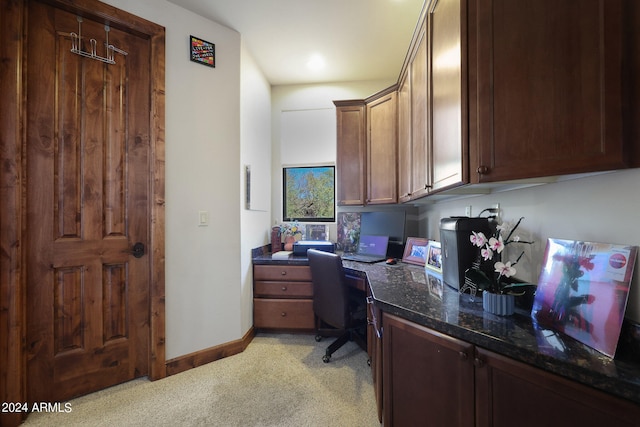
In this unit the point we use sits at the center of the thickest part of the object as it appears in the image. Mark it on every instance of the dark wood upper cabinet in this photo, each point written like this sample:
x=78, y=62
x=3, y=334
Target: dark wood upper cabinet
x=382, y=148
x=503, y=90
x=631, y=84
x=414, y=149
x=448, y=93
x=351, y=152
x=405, y=156
x=421, y=148
x=545, y=87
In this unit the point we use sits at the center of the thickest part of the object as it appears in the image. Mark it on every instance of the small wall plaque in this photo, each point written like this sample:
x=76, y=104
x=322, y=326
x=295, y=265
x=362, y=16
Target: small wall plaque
x=203, y=52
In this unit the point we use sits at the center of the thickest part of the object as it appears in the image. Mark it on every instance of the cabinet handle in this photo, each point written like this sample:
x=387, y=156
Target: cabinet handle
x=283, y=272
x=482, y=170
x=478, y=362
x=463, y=355
x=428, y=186
x=283, y=314
x=407, y=195
x=284, y=289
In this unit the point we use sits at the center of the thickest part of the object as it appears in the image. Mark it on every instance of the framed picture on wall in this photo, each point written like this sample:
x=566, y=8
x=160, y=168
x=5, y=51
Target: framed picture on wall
x=202, y=51
x=415, y=251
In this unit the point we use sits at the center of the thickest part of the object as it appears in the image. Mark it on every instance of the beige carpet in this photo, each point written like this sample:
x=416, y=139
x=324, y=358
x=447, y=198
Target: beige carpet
x=279, y=380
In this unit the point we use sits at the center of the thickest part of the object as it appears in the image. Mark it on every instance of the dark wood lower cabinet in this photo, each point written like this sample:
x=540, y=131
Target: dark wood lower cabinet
x=507, y=390
x=431, y=379
x=427, y=376
x=374, y=349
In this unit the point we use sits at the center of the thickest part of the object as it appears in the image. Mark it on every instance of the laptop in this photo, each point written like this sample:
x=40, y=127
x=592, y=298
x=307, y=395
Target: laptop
x=370, y=249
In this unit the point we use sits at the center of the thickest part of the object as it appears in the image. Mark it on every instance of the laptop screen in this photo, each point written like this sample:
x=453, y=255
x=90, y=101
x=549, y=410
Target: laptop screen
x=373, y=245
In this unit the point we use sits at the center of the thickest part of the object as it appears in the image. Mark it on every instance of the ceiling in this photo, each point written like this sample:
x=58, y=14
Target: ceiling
x=353, y=40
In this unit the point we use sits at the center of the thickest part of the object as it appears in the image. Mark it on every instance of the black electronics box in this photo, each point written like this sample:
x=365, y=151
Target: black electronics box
x=458, y=253
x=301, y=247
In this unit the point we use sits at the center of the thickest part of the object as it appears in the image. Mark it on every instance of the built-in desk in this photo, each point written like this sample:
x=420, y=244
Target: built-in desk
x=407, y=292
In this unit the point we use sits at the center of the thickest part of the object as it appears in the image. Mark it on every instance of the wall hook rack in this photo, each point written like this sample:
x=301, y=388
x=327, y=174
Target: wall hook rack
x=76, y=46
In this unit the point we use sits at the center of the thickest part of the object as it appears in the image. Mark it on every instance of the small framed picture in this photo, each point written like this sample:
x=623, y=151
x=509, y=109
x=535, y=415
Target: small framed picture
x=317, y=232
x=434, y=256
x=203, y=52
x=435, y=285
x=415, y=251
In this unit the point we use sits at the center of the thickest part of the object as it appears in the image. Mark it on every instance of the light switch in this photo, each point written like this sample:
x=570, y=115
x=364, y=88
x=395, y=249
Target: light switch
x=203, y=218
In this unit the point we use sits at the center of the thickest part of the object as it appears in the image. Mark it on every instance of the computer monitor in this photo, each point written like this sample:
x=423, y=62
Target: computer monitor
x=390, y=224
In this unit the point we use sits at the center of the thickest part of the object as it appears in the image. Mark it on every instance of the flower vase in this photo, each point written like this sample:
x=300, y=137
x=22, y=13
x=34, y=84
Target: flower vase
x=500, y=304
x=288, y=243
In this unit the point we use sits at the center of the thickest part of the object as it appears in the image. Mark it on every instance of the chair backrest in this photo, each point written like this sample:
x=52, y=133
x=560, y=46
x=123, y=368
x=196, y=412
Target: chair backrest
x=330, y=293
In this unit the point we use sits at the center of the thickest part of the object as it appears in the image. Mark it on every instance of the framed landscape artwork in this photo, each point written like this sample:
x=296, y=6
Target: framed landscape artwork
x=583, y=290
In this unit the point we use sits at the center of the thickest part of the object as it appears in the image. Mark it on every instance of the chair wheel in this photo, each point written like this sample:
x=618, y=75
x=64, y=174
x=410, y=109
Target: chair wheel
x=318, y=338
x=326, y=358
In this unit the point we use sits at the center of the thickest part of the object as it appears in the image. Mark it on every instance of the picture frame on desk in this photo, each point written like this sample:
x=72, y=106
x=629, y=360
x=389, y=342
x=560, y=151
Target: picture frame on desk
x=434, y=256
x=415, y=251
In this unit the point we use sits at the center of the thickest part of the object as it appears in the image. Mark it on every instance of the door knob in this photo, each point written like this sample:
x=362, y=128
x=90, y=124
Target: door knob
x=137, y=250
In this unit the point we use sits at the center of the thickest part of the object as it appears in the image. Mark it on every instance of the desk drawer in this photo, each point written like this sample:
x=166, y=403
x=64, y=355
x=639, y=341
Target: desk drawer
x=301, y=273
x=283, y=313
x=284, y=289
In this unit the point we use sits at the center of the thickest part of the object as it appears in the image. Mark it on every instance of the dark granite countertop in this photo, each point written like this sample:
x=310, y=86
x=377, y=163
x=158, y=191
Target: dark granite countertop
x=410, y=292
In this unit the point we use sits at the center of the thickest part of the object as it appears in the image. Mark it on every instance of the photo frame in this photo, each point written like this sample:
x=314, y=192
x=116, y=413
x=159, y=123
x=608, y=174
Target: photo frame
x=434, y=256
x=436, y=287
x=317, y=232
x=202, y=51
x=415, y=251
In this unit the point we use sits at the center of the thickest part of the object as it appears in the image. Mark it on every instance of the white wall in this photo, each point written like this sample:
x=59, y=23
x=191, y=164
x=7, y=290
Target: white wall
x=255, y=147
x=306, y=102
x=600, y=208
x=203, y=264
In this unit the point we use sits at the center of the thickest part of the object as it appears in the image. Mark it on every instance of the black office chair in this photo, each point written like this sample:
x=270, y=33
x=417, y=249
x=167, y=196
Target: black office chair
x=335, y=304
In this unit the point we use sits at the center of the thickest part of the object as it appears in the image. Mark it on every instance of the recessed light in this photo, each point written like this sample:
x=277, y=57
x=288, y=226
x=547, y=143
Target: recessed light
x=316, y=62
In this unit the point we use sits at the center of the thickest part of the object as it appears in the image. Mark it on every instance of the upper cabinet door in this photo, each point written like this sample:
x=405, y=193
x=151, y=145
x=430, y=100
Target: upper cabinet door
x=351, y=155
x=405, y=155
x=421, y=165
x=382, y=148
x=545, y=88
x=447, y=22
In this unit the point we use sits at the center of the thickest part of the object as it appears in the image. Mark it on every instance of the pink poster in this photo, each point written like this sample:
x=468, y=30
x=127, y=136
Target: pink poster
x=583, y=290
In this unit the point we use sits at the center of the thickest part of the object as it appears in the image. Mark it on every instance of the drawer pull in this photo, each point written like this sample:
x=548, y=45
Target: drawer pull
x=283, y=314
x=283, y=272
x=284, y=289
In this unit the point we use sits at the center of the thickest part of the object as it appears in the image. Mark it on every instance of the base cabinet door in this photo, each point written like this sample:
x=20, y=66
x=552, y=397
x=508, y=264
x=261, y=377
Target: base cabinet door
x=427, y=376
x=508, y=391
x=374, y=349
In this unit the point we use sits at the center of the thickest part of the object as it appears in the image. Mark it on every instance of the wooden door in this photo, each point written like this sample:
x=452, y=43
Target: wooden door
x=508, y=390
x=405, y=156
x=545, y=88
x=447, y=20
x=88, y=166
x=382, y=143
x=427, y=376
x=420, y=150
x=350, y=152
